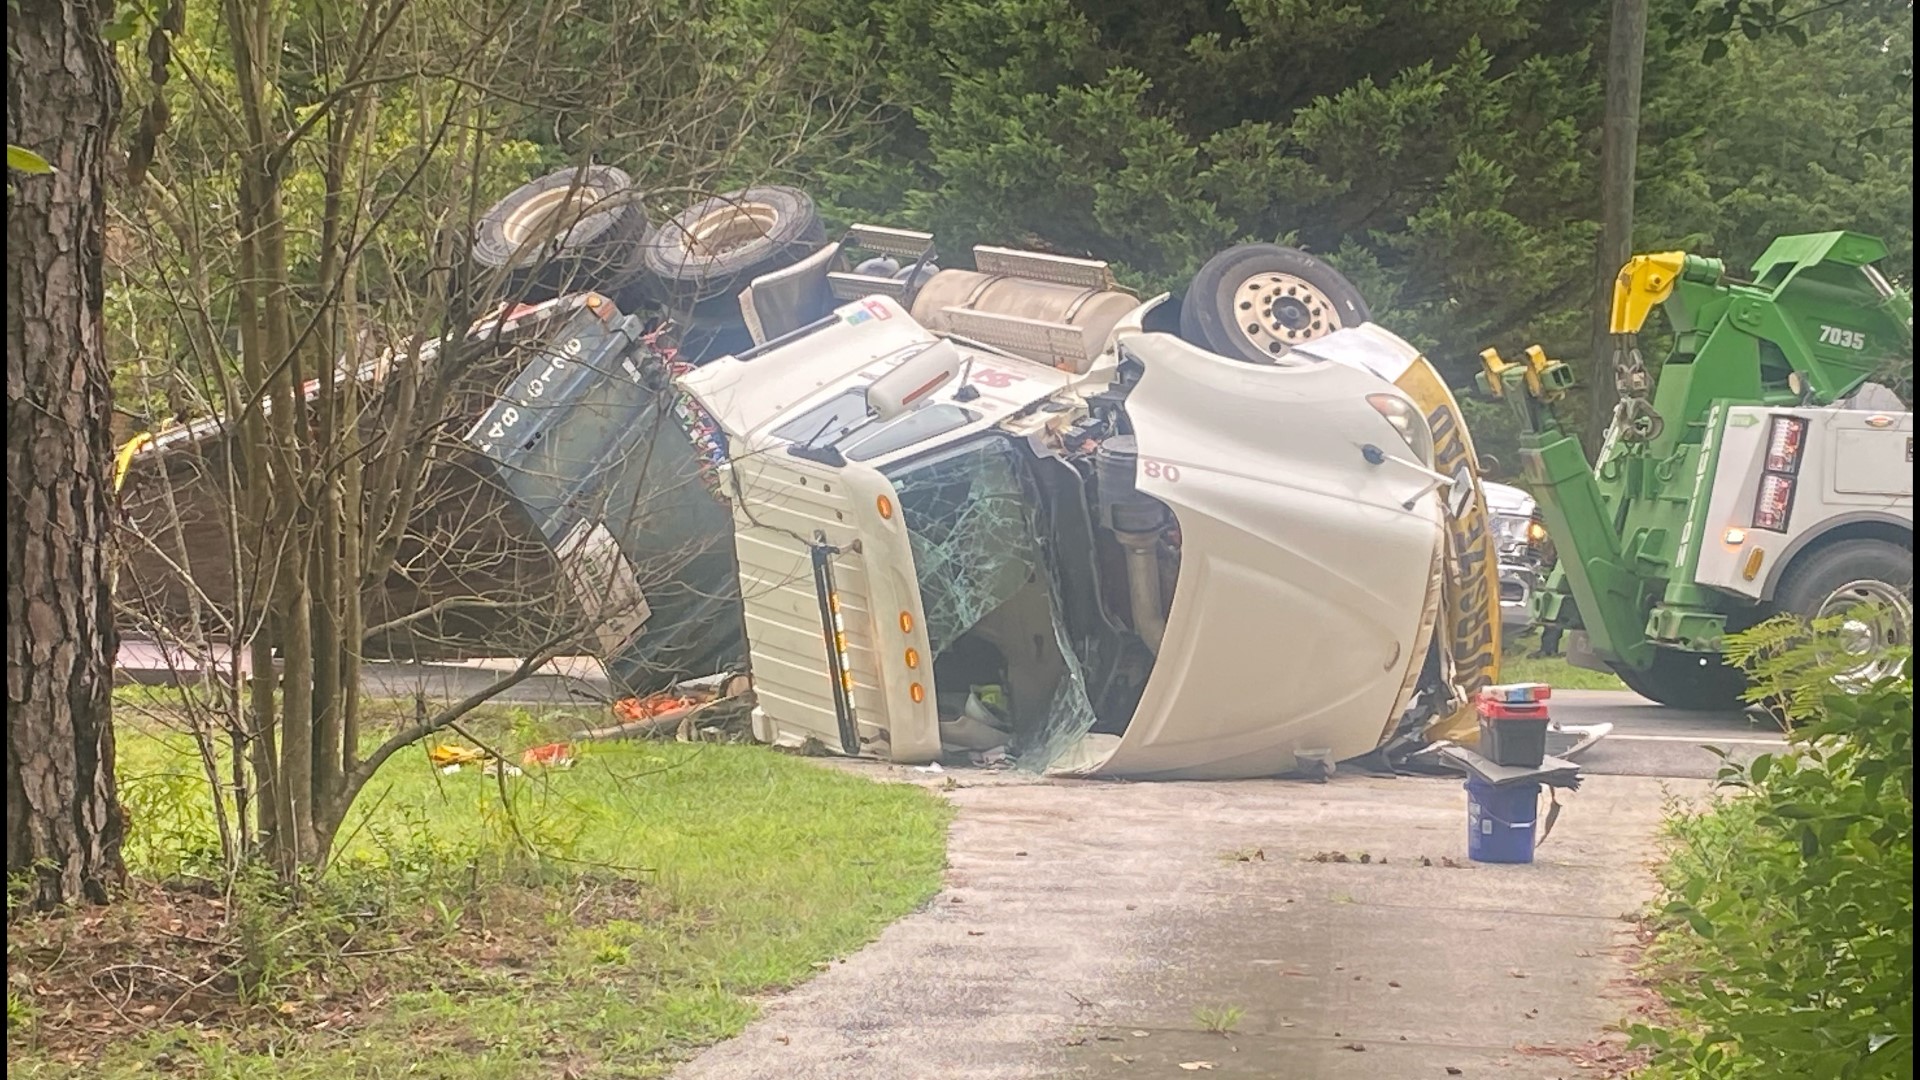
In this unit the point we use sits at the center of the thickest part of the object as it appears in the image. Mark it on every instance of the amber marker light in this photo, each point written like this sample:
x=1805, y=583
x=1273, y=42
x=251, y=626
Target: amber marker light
x=885, y=506
x=917, y=692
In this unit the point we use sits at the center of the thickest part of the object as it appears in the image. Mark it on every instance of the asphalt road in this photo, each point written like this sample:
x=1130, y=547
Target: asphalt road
x=1653, y=740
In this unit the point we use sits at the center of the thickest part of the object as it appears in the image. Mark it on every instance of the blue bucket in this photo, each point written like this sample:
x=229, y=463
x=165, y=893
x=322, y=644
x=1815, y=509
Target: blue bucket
x=1500, y=822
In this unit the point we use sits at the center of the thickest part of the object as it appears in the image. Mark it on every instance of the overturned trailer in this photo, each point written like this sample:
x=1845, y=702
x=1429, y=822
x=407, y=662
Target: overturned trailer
x=569, y=487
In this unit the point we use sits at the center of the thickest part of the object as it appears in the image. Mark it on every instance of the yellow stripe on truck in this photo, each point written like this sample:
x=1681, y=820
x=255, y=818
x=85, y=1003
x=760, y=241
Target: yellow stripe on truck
x=1470, y=593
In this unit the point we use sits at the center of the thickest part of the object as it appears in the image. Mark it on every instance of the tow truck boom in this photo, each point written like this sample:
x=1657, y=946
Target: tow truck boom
x=1678, y=478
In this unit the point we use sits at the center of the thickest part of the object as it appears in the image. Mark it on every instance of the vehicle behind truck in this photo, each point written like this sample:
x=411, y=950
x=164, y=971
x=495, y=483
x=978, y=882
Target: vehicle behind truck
x=1525, y=556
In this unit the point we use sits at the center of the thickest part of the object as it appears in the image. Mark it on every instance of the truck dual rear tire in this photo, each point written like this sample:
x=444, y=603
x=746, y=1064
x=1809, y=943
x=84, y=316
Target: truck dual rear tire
x=1851, y=576
x=712, y=250
x=565, y=232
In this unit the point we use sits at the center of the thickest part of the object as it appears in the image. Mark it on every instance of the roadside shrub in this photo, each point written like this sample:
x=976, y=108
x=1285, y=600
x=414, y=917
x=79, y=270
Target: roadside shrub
x=171, y=832
x=1786, y=943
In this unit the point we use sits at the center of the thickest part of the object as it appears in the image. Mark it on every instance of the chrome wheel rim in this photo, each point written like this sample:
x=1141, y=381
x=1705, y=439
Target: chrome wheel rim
x=1278, y=311
x=1875, y=617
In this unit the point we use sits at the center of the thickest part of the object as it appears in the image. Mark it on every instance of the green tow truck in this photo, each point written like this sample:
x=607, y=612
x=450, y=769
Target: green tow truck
x=1765, y=471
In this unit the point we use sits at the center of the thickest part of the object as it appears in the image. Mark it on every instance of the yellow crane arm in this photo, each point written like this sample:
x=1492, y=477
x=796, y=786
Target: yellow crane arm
x=1643, y=284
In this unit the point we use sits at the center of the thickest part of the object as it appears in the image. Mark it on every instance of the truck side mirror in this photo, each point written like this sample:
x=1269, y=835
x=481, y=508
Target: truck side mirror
x=913, y=382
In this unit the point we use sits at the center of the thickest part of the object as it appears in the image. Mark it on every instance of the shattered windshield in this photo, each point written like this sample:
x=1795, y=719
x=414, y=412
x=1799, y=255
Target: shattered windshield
x=973, y=524
x=971, y=528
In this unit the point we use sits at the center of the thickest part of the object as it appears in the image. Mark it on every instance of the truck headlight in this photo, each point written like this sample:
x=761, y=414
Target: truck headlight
x=1408, y=422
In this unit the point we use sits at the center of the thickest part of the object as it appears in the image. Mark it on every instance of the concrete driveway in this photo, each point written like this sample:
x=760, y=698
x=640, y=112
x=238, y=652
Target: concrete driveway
x=1098, y=929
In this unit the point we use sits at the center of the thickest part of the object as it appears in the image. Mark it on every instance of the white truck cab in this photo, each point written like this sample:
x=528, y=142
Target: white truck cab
x=1102, y=547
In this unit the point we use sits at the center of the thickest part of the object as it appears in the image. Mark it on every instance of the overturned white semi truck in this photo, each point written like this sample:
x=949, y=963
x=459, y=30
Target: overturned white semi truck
x=1012, y=505
x=937, y=510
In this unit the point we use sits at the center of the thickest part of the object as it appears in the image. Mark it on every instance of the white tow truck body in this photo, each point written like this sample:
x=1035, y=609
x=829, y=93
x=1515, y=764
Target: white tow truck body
x=1831, y=467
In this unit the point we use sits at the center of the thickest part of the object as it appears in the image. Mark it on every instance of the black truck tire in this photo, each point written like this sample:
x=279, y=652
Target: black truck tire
x=1831, y=579
x=1255, y=301
x=715, y=248
x=565, y=232
x=1692, y=681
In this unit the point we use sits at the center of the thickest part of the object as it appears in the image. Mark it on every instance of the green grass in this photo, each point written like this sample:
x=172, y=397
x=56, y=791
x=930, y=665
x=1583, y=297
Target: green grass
x=1518, y=664
x=668, y=886
x=1218, y=1019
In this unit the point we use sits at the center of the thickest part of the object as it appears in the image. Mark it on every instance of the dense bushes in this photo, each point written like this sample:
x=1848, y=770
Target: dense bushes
x=1786, y=947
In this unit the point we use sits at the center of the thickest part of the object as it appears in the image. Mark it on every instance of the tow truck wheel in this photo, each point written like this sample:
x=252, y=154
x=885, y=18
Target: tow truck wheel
x=1867, y=583
x=1255, y=301
x=1688, y=681
x=715, y=248
x=570, y=230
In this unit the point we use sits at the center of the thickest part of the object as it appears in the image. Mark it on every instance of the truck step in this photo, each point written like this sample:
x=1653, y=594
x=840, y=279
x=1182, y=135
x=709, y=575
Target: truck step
x=1059, y=344
x=1058, y=269
x=900, y=243
x=847, y=285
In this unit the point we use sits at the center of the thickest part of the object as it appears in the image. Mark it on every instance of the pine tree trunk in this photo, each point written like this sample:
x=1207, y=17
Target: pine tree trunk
x=63, y=818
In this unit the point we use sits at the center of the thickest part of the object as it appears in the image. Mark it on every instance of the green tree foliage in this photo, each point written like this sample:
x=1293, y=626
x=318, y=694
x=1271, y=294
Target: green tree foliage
x=1440, y=152
x=1444, y=154
x=1781, y=137
x=1788, y=945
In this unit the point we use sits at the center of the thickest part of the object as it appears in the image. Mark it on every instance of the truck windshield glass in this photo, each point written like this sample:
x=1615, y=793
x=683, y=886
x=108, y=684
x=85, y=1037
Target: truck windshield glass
x=824, y=421
x=968, y=520
x=916, y=426
x=989, y=599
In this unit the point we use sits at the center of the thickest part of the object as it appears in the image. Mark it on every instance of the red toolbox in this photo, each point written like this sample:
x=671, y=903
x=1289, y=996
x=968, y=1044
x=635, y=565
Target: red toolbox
x=1513, y=723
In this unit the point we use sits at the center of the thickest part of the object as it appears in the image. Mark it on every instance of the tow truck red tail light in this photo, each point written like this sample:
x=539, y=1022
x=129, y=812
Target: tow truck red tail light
x=1784, y=442
x=1774, y=503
